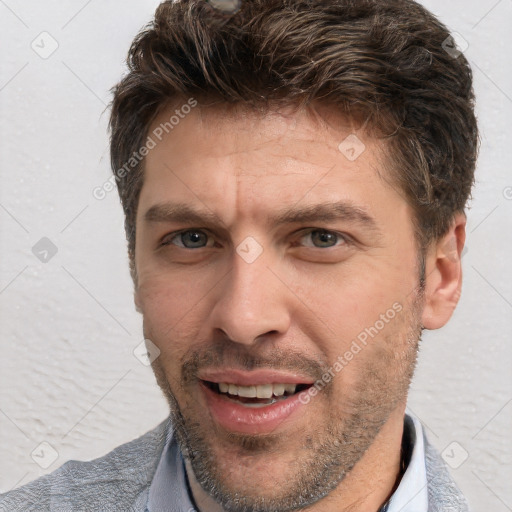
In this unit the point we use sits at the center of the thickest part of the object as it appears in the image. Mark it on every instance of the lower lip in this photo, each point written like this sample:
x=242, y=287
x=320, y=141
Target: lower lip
x=236, y=417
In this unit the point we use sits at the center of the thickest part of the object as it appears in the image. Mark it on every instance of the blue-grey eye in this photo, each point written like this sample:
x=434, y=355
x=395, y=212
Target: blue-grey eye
x=190, y=239
x=324, y=239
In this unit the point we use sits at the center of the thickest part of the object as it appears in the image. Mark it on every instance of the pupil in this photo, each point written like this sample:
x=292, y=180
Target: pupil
x=193, y=238
x=324, y=238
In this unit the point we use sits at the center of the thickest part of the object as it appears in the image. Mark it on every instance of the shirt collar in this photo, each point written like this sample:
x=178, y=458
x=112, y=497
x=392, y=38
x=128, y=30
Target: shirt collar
x=412, y=493
x=169, y=490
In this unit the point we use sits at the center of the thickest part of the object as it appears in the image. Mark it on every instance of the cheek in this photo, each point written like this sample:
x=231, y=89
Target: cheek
x=171, y=292
x=169, y=310
x=348, y=300
x=159, y=303
x=364, y=326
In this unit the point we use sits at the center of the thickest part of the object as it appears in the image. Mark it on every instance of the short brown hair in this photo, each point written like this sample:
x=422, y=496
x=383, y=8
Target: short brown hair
x=387, y=61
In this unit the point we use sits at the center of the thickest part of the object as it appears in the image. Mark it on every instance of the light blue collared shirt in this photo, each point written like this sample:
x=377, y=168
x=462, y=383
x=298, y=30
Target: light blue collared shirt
x=169, y=490
x=412, y=493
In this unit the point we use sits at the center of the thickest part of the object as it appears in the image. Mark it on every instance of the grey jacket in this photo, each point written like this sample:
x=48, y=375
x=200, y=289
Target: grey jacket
x=120, y=481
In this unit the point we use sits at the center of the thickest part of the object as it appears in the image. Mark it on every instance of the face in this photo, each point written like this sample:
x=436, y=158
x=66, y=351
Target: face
x=278, y=277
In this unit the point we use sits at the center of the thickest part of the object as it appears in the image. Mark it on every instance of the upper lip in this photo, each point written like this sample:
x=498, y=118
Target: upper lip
x=253, y=378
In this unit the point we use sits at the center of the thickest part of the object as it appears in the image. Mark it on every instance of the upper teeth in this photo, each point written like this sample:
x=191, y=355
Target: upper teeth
x=262, y=391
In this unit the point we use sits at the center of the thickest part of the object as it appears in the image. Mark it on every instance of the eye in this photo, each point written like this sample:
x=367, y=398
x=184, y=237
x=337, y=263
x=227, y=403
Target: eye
x=323, y=239
x=190, y=239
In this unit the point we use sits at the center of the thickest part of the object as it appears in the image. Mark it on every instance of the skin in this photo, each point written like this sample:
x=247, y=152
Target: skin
x=298, y=306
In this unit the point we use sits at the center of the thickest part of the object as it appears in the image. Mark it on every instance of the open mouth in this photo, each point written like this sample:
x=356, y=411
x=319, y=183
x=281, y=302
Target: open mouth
x=256, y=396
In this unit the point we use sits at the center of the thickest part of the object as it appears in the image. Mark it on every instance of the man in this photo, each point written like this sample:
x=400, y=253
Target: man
x=293, y=175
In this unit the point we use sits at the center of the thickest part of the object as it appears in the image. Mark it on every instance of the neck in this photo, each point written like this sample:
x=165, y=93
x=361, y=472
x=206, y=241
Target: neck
x=367, y=487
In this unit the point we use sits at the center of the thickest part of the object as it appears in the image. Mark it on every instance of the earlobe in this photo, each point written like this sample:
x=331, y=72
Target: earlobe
x=136, y=299
x=443, y=281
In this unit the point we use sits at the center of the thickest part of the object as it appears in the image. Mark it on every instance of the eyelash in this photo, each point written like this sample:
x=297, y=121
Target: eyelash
x=167, y=240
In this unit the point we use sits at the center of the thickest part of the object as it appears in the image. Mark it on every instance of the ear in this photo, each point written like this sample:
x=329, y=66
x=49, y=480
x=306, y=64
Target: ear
x=443, y=271
x=136, y=299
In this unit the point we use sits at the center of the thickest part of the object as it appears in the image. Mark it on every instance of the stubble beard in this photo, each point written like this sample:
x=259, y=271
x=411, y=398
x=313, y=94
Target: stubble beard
x=328, y=453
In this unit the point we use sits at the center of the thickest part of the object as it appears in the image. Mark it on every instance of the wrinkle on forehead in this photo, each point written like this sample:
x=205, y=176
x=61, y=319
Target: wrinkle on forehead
x=271, y=123
x=276, y=127
x=256, y=145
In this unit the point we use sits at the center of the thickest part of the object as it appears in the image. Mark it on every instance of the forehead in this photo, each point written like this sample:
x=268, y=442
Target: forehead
x=220, y=130
x=236, y=159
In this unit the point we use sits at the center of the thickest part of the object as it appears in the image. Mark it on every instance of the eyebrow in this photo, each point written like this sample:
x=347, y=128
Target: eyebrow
x=325, y=212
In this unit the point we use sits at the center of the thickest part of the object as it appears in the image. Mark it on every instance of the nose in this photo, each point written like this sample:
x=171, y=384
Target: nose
x=251, y=303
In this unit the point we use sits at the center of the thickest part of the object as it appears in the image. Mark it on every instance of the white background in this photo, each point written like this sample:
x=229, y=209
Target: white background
x=68, y=376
